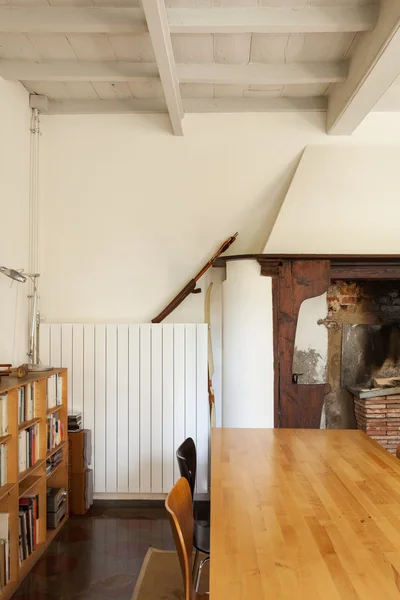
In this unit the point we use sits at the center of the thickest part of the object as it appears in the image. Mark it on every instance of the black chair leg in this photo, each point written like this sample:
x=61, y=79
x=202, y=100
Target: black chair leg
x=195, y=565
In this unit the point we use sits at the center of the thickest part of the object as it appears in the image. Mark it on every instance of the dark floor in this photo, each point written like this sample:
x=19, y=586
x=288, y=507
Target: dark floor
x=98, y=556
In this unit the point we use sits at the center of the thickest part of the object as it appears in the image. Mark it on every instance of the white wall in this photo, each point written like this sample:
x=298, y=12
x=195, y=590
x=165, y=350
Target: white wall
x=130, y=212
x=14, y=202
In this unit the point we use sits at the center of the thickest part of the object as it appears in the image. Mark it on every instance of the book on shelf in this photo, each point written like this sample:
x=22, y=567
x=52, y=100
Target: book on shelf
x=75, y=422
x=53, y=461
x=28, y=525
x=4, y=548
x=54, y=387
x=3, y=464
x=28, y=447
x=26, y=402
x=55, y=431
x=3, y=414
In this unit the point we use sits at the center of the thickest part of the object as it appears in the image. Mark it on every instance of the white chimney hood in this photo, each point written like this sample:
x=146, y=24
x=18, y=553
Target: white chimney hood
x=342, y=200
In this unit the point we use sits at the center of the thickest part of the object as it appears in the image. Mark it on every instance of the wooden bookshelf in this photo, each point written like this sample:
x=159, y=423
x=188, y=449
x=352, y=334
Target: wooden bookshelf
x=32, y=480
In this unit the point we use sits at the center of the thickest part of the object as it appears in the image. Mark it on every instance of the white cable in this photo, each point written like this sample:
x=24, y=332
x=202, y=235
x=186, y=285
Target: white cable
x=33, y=224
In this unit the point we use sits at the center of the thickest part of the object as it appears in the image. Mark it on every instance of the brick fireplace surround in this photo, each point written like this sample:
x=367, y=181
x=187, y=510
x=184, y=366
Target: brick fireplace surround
x=379, y=417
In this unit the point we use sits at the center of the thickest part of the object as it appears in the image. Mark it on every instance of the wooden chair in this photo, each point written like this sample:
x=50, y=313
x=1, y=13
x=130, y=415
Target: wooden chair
x=180, y=512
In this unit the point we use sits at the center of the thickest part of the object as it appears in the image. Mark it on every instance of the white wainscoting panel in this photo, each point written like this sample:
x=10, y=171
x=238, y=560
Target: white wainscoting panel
x=142, y=389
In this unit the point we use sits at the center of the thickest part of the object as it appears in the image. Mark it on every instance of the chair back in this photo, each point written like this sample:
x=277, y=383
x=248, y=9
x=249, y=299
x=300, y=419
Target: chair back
x=187, y=462
x=180, y=512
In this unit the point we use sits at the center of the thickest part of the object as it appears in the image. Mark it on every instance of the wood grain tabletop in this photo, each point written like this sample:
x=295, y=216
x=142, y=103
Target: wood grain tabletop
x=303, y=514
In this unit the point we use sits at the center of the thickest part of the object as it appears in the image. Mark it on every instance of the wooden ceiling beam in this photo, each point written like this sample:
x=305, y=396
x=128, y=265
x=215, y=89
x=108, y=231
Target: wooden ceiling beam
x=203, y=105
x=20, y=70
x=71, y=20
x=281, y=104
x=263, y=74
x=100, y=107
x=50, y=19
x=157, y=23
x=272, y=20
x=374, y=66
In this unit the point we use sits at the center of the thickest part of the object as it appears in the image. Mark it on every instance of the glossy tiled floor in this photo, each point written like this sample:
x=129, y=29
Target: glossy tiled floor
x=97, y=557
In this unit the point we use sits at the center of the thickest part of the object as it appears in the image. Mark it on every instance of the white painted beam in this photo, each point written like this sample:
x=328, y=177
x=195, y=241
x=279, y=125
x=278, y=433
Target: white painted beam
x=205, y=105
x=263, y=74
x=272, y=20
x=48, y=19
x=157, y=23
x=71, y=20
x=229, y=105
x=99, y=107
x=374, y=66
x=19, y=70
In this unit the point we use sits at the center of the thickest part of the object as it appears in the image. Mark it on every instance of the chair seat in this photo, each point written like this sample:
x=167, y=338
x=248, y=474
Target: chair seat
x=201, y=536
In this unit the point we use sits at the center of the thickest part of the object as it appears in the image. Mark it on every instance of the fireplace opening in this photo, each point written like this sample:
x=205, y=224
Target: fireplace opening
x=363, y=361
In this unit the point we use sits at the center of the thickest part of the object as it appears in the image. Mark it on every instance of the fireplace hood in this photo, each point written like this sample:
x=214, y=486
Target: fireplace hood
x=342, y=200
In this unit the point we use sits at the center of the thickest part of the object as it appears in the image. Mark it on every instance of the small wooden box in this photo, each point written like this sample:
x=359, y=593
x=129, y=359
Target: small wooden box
x=79, y=450
x=80, y=492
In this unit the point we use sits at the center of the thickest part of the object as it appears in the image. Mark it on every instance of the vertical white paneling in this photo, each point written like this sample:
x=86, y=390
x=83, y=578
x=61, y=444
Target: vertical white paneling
x=66, y=360
x=44, y=344
x=179, y=391
x=203, y=412
x=77, y=367
x=142, y=389
x=156, y=410
x=55, y=345
x=190, y=382
x=99, y=437
x=145, y=408
x=123, y=409
x=168, y=449
x=89, y=379
x=134, y=409
x=111, y=408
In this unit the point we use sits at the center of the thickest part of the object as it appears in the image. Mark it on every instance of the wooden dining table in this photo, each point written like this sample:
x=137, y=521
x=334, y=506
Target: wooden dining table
x=303, y=514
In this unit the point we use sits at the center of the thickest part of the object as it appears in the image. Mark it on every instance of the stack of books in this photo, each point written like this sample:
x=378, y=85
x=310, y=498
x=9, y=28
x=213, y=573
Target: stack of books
x=26, y=403
x=3, y=464
x=55, y=431
x=56, y=506
x=4, y=549
x=4, y=414
x=53, y=462
x=28, y=525
x=75, y=422
x=54, y=391
x=28, y=447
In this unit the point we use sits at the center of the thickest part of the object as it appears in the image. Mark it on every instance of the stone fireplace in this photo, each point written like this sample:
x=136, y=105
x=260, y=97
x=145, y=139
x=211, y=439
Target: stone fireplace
x=363, y=343
x=357, y=304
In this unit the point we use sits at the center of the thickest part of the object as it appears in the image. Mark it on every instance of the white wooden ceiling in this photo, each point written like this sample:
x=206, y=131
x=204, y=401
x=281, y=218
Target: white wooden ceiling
x=182, y=56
